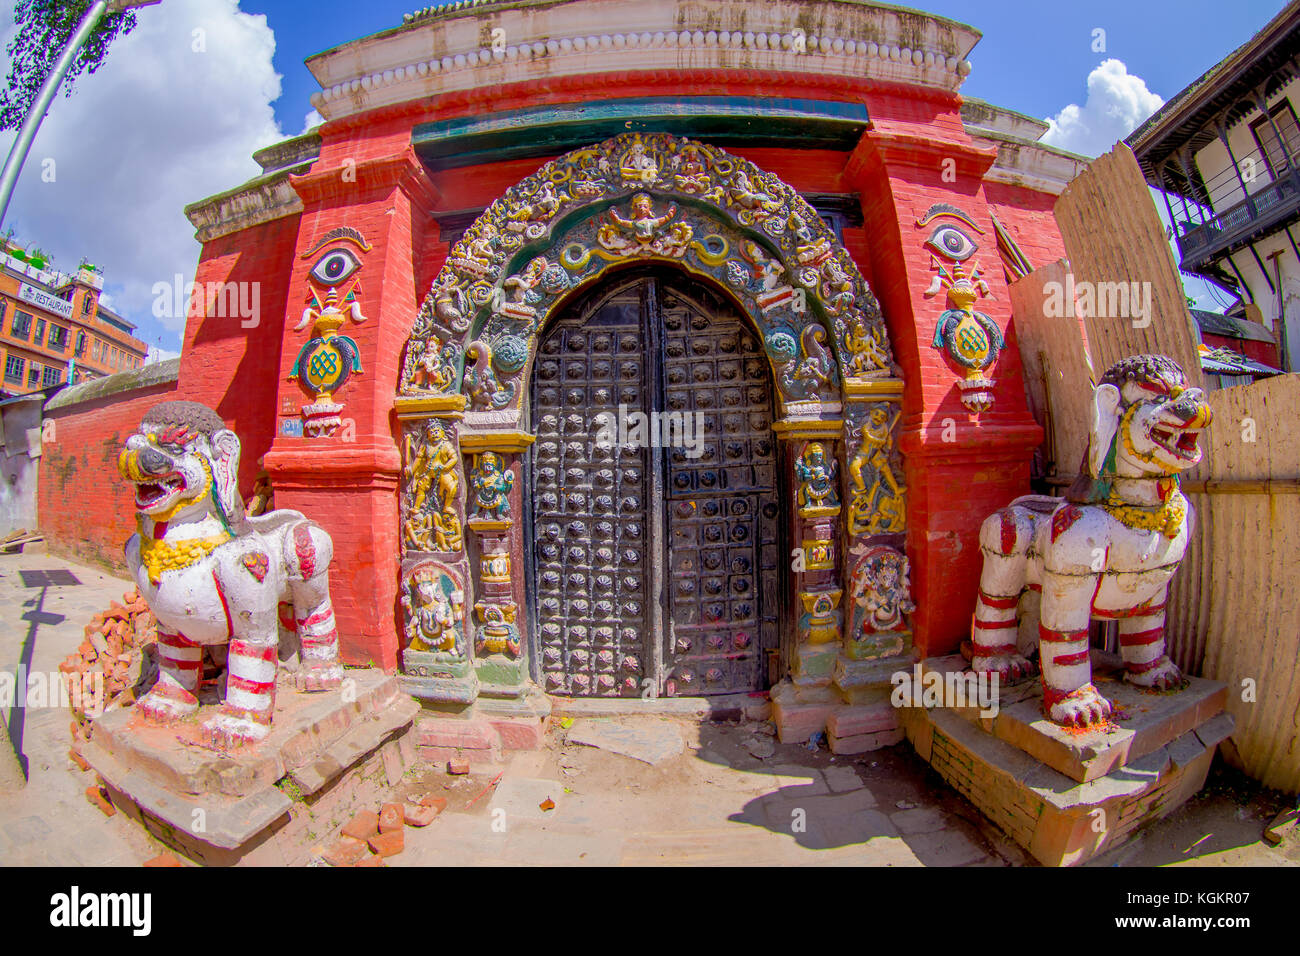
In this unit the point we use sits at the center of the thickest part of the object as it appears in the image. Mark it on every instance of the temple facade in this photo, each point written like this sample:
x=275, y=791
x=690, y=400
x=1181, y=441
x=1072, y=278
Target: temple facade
x=637, y=349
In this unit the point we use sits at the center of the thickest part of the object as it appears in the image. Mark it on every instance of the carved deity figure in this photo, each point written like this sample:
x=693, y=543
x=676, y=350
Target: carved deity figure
x=1107, y=550
x=816, y=473
x=541, y=206
x=641, y=232
x=431, y=466
x=745, y=194
x=215, y=577
x=434, y=609
x=882, y=588
x=692, y=176
x=476, y=251
x=863, y=343
x=637, y=165
x=434, y=366
x=491, y=483
x=876, y=496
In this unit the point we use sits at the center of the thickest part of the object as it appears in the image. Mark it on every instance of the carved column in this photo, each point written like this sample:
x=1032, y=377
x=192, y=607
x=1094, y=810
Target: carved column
x=876, y=574
x=495, y=517
x=812, y=451
x=437, y=659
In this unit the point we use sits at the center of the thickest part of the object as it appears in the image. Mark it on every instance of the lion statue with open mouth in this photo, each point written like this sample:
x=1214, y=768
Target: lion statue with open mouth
x=1107, y=550
x=216, y=578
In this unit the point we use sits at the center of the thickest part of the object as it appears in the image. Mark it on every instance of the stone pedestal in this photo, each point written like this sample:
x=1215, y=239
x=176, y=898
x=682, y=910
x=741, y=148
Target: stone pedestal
x=853, y=709
x=272, y=802
x=1069, y=795
x=483, y=732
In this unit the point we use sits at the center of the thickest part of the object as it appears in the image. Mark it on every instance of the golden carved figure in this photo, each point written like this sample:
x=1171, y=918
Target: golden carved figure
x=432, y=467
x=865, y=350
x=877, y=496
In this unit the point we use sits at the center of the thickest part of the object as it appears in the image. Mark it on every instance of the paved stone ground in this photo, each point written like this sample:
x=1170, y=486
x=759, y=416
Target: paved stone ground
x=50, y=821
x=734, y=796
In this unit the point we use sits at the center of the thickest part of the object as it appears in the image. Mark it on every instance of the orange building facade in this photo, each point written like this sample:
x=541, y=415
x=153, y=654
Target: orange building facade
x=55, y=331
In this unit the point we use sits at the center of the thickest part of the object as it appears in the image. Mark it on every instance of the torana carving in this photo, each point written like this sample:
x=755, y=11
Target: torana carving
x=648, y=196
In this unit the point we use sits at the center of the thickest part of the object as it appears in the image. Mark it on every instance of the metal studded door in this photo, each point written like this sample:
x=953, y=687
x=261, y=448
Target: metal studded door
x=657, y=559
x=722, y=509
x=593, y=601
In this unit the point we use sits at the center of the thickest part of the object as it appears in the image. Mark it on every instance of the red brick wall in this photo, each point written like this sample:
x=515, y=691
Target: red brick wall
x=227, y=362
x=227, y=366
x=86, y=511
x=1027, y=217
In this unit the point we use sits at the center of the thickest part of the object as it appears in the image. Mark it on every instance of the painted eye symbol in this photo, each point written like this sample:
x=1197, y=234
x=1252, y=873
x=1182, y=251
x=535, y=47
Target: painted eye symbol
x=335, y=266
x=952, y=242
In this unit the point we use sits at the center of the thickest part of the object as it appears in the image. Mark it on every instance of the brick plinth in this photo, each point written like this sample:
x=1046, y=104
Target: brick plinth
x=1059, y=820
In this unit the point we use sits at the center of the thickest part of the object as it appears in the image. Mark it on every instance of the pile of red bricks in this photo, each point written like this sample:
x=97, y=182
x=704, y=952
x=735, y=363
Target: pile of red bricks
x=370, y=836
x=114, y=640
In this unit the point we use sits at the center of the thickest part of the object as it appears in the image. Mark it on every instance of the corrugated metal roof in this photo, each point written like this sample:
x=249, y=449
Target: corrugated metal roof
x=1228, y=362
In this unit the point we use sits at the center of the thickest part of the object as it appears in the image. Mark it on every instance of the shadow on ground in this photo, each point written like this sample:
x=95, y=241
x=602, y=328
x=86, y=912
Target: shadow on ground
x=823, y=801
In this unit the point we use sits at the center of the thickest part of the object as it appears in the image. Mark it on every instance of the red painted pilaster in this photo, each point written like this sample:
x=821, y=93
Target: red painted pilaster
x=960, y=466
x=348, y=481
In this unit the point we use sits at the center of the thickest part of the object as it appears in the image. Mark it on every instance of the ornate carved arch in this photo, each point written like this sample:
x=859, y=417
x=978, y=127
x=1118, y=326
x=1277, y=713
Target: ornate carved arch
x=637, y=198
x=640, y=197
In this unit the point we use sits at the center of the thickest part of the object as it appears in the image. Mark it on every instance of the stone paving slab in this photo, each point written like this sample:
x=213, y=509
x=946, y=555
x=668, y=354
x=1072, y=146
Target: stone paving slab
x=79, y=834
x=650, y=742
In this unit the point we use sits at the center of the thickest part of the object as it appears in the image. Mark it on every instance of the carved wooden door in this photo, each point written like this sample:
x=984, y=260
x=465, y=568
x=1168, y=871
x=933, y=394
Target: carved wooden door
x=721, y=499
x=655, y=558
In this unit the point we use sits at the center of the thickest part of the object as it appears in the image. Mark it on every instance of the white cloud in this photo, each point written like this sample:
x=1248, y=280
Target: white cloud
x=311, y=121
x=157, y=354
x=172, y=116
x=1117, y=103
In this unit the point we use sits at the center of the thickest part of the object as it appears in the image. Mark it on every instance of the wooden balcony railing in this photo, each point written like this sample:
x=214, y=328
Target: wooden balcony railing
x=1199, y=243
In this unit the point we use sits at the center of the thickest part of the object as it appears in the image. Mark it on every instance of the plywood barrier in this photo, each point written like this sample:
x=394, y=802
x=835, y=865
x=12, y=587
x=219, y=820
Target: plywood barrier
x=1058, y=371
x=1233, y=610
x=1116, y=245
x=1233, y=613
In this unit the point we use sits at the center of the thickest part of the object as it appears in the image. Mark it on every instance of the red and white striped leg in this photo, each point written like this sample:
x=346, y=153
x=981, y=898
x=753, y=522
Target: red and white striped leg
x=319, y=639
x=180, y=666
x=245, y=716
x=993, y=641
x=1069, y=696
x=1142, y=645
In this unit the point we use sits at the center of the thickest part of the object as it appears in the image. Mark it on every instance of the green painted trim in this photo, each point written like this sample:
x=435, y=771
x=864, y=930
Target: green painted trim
x=720, y=120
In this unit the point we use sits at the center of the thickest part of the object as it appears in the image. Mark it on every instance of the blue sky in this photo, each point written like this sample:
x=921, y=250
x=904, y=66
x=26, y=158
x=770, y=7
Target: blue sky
x=179, y=106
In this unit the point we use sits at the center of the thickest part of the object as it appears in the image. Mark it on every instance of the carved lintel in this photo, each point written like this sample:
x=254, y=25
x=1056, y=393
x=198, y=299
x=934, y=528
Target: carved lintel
x=805, y=428
x=425, y=406
x=880, y=389
x=505, y=442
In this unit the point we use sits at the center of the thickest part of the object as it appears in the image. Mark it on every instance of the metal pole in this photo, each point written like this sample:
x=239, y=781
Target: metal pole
x=23, y=144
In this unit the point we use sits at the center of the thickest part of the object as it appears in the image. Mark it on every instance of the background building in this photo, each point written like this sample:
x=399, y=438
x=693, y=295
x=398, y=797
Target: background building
x=54, y=330
x=1226, y=154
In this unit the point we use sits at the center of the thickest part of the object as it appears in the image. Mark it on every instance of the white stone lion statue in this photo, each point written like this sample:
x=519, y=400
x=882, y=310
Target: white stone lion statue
x=215, y=578
x=1107, y=550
